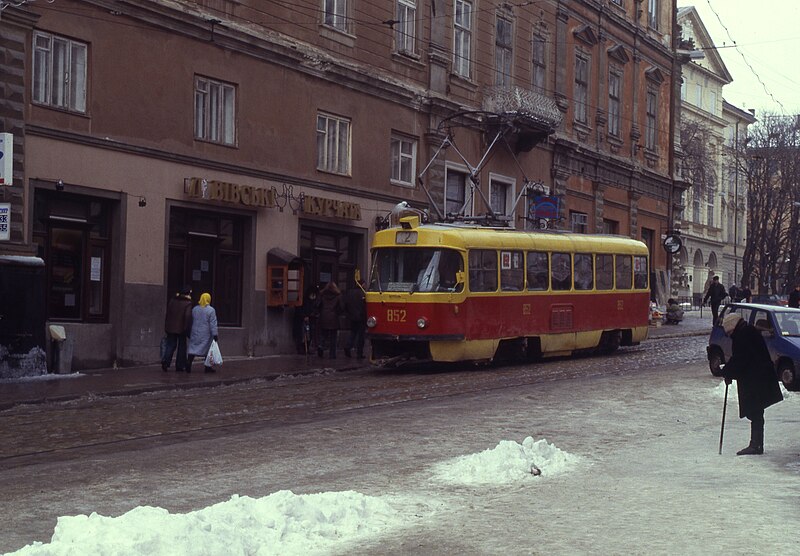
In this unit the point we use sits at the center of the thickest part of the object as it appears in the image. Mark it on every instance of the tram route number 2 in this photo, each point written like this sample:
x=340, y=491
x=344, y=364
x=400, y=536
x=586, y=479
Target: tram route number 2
x=396, y=315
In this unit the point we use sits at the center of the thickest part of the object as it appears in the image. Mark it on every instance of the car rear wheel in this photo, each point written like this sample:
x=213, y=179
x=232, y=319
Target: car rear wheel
x=715, y=361
x=788, y=375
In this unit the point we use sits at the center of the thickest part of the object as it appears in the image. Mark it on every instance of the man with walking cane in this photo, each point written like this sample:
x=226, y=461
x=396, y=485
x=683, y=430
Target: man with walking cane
x=756, y=380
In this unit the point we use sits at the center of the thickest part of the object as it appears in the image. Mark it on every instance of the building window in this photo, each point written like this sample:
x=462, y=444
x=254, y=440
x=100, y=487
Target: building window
x=710, y=207
x=614, y=101
x=214, y=111
x=500, y=196
x=406, y=26
x=617, y=2
x=333, y=144
x=335, y=14
x=652, y=14
x=579, y=222
x=581, y=88
x=463, y=38
x=503, y=52
x=73, y=238
x=455, y=193
x=696, y=210
x=651, y=121
x=206, y=251
x=539, y=59
x=59, y=72
x=610, y=226
x=404, y=160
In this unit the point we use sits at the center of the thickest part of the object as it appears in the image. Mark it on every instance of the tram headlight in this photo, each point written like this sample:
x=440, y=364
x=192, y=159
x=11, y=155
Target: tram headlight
x=372, y=322
x=422, y=322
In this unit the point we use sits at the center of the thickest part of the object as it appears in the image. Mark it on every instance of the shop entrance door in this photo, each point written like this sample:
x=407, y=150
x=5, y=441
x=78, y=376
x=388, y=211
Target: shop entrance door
x=326, y=269
x=202, y=250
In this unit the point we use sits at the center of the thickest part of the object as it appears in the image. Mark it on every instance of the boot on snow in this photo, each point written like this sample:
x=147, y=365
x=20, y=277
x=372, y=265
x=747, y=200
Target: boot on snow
x=751, y=450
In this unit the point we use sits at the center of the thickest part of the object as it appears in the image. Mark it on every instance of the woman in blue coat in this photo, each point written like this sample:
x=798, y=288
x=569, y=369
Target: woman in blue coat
x=204, y=330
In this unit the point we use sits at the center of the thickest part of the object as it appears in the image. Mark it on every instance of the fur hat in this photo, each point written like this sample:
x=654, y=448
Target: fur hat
x=729, y=323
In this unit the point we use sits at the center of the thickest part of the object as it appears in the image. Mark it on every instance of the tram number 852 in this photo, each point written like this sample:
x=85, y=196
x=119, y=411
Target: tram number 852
x=396, y=315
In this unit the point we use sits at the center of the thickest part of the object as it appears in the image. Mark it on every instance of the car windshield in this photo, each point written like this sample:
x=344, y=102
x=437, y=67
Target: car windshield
x=788, y=323
x=415, y=269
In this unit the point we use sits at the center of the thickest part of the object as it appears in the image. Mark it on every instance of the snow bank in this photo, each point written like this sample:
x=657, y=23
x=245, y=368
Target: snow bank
x=733, y=395
x=508, y=462
x=281, y=523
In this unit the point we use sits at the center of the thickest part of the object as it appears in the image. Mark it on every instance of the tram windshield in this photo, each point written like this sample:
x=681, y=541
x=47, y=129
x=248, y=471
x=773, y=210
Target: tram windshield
x=418, y=269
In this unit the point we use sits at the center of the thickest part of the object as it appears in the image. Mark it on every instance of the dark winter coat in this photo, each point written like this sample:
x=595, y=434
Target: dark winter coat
x=179, y=315
x=751, y=366
x=355, y=305
x=716, y=293
x=330, y=306
x=794, y=299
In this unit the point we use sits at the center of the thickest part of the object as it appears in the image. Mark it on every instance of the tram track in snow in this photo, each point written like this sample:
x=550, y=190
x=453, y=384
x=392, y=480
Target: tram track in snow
x=67, y=430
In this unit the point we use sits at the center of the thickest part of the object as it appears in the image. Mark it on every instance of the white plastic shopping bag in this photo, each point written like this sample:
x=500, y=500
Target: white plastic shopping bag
x=214, y=356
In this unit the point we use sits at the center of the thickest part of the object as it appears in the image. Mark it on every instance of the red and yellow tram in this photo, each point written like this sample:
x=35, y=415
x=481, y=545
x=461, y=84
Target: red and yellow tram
x=450, y=292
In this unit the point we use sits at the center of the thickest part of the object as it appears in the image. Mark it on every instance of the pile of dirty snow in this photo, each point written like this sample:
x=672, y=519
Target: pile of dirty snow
x=508, y=462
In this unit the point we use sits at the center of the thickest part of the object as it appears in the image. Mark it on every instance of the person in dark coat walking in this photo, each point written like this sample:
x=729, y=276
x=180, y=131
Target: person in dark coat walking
x=204, y=331
x=329, y=307
x=355, y=306
x=751, y=367
x=794, y=297
x=177, y=326
x=745, y=294
x=716, y=293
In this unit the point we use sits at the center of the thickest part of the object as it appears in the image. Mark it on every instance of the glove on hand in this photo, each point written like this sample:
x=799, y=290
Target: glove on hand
x=728, y=380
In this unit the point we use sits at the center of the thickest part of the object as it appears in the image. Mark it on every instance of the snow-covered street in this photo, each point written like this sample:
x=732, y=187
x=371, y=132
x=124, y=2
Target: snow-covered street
x=628, y=464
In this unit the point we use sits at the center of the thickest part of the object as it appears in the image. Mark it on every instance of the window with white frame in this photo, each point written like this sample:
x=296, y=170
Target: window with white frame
x=59, y=72
x=500, y=196
x=335, y=14
x=614, y=100
x=652, y=14
x=214, y=111
x=333, y=144
x=504, y=56
x=463, y=38
x=539, y=60
x=581, y=88
x=455, y=192
x=404, y=160
x=651, y=120
x=710, y=206
x=579, y=222
x=406, y=26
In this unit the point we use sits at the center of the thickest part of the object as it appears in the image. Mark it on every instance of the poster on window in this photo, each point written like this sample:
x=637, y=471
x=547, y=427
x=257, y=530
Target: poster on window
x=5, y=221
x=96, y=266
x=505, y=260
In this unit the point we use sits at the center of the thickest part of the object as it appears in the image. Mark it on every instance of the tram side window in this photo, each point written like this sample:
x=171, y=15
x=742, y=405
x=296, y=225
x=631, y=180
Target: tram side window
x=512, y=272
x=584, y=273
x=640, y=273
x=482, y=270
x=560, y=271
x=538, y=271
x=623, y=272
x=604, y=269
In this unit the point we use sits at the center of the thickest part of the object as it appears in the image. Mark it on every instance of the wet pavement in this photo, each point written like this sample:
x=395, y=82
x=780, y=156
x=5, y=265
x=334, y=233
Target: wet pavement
x=150, y=378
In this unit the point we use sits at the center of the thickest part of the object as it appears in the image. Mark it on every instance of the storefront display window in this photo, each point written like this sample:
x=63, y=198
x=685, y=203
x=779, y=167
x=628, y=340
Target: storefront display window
x=72, y=234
